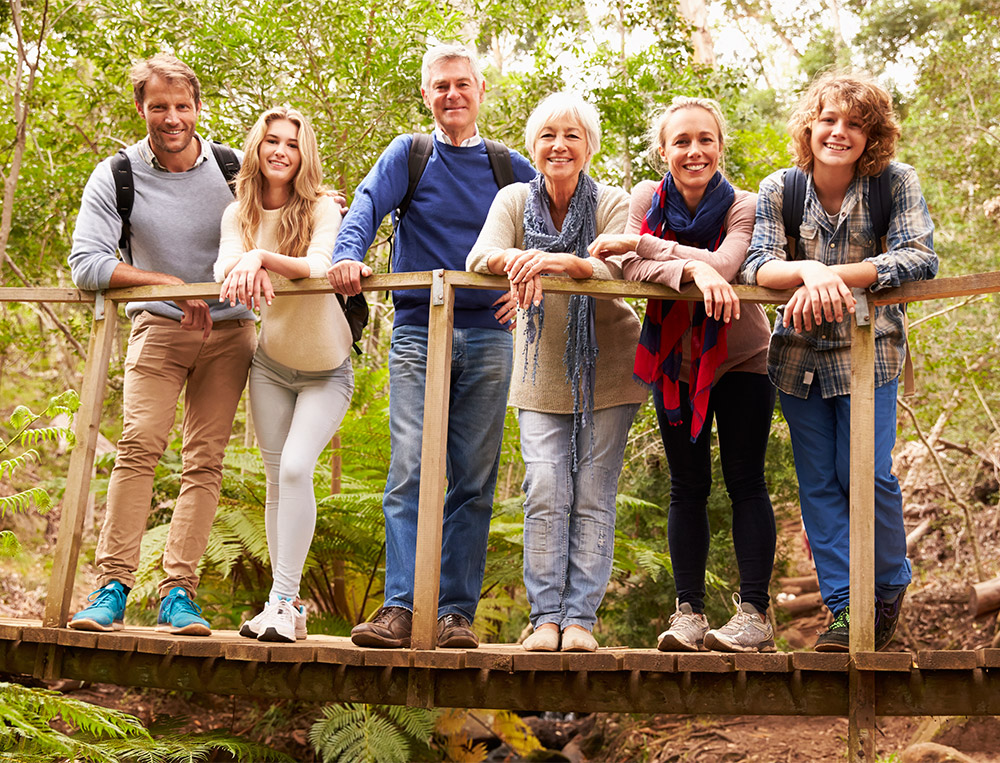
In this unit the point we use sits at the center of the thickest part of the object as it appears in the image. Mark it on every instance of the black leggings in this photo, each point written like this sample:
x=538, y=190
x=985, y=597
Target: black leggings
x=742, y=404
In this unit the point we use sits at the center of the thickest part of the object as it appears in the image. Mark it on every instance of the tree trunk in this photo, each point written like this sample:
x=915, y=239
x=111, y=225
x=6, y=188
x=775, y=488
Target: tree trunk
x=696, y=13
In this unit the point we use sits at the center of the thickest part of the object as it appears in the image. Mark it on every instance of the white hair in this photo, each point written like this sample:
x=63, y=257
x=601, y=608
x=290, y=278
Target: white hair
x=564, y=104
x=447, y=52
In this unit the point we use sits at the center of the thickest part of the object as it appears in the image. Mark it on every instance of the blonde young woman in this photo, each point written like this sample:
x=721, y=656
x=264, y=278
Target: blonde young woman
x=301, y=378
x=572, y=380
x=704, y=362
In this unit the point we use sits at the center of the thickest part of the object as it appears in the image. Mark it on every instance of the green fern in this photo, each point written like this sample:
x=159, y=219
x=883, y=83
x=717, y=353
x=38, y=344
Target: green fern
x=101, y=735
x=359, y=733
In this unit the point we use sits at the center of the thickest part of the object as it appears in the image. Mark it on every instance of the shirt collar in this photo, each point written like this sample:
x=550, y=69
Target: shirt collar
x=475, y=140
x=147, y=155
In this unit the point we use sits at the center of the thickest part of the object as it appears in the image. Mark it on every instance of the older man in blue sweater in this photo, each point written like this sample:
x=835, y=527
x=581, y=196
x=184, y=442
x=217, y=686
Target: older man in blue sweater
x=442, y=222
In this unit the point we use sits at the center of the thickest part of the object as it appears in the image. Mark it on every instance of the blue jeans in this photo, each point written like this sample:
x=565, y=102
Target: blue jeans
x=569, y=519
x=481, y=361
x=821, y=441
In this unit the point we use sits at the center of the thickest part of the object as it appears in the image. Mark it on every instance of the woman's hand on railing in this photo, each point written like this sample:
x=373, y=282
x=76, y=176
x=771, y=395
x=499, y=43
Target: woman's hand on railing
x=505, y=310
x=721, y=301
x=524, y=269
x=610, y=244
x=244, y=284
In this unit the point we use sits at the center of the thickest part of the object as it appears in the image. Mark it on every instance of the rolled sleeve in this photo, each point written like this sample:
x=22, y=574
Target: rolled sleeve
x=768, y=240
x=910, y=252
x=93, y=257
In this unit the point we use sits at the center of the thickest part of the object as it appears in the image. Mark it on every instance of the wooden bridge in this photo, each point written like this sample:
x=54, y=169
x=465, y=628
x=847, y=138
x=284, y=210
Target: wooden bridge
x=861, y=684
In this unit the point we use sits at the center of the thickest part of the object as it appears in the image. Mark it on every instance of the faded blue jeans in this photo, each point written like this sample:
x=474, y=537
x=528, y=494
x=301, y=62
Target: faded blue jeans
x=481, y=361
x=569, y=519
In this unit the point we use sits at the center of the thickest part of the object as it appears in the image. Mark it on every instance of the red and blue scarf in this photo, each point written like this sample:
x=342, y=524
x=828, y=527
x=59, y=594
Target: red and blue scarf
x=660, y=352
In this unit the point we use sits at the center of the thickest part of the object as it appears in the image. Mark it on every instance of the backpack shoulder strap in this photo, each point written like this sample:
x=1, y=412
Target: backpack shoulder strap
x=880, y=206
x=793, y=204
x=503, y=170
x=228, y=162
x=121, y=171
x=420, y=153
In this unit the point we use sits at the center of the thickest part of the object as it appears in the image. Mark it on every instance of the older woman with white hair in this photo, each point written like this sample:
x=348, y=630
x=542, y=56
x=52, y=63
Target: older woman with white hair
x=574, y=388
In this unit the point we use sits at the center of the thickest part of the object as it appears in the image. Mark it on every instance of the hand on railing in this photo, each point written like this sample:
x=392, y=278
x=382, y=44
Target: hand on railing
x=345, y=276
x=823, y=296
x=247, y=282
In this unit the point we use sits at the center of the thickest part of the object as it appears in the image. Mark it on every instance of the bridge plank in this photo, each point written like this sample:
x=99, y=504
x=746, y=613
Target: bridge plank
x=988, y=658
x=489, y=659
x=942, y=660
x=650, y=660
x=891, y=662
x=602, y=659
x=825, y=661
x=704, y=662
x=388, y=658
x=780, y=662
x=297, y=652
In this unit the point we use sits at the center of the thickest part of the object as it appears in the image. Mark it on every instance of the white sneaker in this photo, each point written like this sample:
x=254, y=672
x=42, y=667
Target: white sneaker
x=283, y=622
x=254, y=627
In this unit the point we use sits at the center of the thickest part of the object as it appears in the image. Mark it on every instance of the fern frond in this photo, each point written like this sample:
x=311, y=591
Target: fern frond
x=9, y=544
x=21, y=502
x=32, y=437
x=418, y=722
x=10, y=465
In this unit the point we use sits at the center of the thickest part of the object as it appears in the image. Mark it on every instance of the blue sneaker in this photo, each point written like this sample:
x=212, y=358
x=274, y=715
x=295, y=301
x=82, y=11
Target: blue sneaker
x=106, y=610
x=181, y=616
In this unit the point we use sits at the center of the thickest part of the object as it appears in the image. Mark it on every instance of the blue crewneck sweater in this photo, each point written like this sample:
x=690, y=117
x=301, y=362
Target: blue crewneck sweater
x=448, y=209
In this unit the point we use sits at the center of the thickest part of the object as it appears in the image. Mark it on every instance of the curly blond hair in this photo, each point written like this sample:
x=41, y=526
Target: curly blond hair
x=295, y=228
x=862, y=98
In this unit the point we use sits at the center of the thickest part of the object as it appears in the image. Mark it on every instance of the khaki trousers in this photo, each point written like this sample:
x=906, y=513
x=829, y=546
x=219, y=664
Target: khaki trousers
x=162, y=357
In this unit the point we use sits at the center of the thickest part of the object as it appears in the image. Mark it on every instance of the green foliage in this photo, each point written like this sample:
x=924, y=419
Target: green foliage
x=19, y=430
x=360, y=733
x=100, y=735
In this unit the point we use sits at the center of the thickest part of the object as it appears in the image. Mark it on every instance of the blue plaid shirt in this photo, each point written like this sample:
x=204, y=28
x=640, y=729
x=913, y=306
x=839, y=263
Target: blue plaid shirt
x=823, y=354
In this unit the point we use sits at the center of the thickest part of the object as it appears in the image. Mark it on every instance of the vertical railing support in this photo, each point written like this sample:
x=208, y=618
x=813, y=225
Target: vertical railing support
x=103, y=335
x=433, y=454
x=861, y=720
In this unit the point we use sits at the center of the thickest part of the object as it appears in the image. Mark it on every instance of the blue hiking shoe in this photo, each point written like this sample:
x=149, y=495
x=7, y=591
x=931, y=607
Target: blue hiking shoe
x=180, y=616
x=106, y=609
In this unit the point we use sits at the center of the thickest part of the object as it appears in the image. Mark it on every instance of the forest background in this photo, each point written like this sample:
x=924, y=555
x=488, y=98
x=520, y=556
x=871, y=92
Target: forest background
x=65, y=104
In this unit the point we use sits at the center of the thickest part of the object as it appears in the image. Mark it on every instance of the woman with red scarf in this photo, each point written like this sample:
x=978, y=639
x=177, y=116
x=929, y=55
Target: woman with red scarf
x=703, y=360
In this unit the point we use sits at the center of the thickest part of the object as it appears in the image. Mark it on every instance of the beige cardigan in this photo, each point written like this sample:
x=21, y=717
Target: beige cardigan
x=616, y=324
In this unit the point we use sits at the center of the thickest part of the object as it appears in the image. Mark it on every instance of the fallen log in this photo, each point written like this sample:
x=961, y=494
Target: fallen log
x=984, y=597
x=805, y=583
x=799, y=605
x=914, y=536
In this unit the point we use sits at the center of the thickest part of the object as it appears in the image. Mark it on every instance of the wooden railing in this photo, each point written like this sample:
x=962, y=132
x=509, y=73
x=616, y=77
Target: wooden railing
x=442, y=285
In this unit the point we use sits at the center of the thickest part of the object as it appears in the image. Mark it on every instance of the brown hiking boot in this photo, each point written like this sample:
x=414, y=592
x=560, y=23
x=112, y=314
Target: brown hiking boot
x=454, y=633
x=389, y=629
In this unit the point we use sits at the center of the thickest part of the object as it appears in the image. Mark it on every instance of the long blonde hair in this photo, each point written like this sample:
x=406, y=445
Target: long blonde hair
x=295, y=227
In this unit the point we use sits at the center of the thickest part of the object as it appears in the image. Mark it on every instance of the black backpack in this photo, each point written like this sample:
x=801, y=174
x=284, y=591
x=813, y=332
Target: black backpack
x=355, y=308
x=793, y=204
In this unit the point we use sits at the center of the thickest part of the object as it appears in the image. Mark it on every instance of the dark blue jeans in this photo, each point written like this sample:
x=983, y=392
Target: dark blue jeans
x=741, y=404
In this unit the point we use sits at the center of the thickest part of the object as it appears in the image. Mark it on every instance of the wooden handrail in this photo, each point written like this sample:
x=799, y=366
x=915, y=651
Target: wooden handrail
x=432, y=486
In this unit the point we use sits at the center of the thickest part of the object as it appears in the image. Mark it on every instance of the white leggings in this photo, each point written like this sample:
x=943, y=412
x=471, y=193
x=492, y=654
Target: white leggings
x=295, y=413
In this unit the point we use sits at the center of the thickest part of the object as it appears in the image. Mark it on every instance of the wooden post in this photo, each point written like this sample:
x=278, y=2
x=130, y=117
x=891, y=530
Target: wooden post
x=103, y=336
x=427, y=577
x=861, y=720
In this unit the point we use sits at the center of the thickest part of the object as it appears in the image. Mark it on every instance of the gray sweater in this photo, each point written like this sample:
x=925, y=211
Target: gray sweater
x=176, y=219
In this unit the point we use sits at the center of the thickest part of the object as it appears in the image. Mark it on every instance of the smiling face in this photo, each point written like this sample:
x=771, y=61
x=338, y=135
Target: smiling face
x=837, y=138
x=279, y=154
x=453, y=97
x=690, y=146
x=171, y=115
x=561, y=151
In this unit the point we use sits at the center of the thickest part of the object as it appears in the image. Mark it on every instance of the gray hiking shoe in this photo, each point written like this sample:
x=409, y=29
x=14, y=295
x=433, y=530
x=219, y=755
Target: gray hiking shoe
x=686, y=632
x=747, y=631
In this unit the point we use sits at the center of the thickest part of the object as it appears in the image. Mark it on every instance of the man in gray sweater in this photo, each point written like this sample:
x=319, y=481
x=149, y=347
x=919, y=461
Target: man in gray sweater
x=180, y=193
